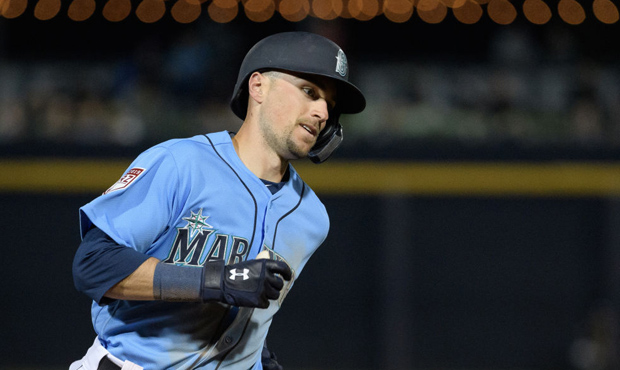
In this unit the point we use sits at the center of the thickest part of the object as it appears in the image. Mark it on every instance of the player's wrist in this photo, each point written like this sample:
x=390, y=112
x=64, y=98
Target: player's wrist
x=211, y=287
x=189, y=284
x=177, y=283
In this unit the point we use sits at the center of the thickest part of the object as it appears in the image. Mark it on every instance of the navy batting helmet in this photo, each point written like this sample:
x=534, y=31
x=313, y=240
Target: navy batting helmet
x=307, y=53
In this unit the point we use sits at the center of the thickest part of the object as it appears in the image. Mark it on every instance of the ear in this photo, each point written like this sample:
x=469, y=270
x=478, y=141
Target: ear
x=256, y=86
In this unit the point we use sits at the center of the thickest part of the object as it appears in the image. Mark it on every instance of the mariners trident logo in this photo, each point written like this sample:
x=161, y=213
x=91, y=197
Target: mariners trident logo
x=341, y=64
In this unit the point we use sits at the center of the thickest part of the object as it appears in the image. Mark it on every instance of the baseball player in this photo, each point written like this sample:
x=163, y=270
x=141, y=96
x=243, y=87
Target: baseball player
x=190, y=254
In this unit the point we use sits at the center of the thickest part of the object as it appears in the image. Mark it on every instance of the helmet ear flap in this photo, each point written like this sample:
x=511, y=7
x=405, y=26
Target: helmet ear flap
x=328, y=141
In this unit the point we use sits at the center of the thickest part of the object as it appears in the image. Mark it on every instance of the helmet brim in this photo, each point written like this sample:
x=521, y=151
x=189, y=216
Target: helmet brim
x=349, y=98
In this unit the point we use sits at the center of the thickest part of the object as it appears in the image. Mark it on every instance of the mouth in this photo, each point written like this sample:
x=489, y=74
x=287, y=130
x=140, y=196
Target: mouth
x=310, y=128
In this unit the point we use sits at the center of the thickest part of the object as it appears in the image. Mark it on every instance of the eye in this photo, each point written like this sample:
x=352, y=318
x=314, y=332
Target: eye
x=310, y=92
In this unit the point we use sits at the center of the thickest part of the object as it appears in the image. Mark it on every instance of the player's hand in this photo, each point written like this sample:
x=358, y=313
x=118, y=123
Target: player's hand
x=249, y=284
x=269, y=360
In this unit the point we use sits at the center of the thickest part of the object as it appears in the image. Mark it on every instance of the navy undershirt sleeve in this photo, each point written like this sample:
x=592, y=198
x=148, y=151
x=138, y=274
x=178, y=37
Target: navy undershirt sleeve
x=100, y=263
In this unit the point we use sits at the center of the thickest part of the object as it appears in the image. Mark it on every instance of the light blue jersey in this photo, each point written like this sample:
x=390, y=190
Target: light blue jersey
x=187, y=201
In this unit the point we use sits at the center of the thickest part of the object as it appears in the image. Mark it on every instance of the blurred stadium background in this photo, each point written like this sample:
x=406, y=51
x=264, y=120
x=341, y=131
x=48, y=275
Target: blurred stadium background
x=475, y=203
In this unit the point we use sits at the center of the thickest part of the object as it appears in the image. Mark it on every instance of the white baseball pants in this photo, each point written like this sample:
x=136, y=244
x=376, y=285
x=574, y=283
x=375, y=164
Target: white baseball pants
x=93, y=356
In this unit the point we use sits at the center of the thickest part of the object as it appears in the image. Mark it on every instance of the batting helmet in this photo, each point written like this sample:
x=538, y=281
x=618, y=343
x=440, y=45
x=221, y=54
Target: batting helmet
x=307, y=53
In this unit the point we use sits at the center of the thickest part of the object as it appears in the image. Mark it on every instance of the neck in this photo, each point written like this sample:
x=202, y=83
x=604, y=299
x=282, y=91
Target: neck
x=252, y=151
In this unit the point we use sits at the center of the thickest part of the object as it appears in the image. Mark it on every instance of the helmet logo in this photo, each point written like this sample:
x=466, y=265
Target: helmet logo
x=341, y=65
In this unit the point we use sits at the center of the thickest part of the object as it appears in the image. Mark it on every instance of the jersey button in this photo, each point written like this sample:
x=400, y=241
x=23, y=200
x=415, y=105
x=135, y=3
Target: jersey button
x=228, y=339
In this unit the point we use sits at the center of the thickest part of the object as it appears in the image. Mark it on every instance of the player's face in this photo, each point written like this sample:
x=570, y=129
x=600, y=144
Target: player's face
x=295, y=111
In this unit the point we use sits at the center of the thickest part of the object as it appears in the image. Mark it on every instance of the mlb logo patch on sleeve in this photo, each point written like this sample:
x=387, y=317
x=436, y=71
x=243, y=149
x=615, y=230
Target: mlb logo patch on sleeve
x=126, y=180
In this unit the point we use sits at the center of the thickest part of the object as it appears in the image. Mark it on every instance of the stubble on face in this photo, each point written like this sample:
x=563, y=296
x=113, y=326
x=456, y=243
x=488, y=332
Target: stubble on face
x=282, y=143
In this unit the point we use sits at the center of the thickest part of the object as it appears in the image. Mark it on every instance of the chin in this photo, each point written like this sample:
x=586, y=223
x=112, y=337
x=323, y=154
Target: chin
x=298, y=151
x=298, y=155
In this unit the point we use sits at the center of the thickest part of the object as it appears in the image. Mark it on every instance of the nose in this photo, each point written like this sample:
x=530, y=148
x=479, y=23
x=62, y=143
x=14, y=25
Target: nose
x=320, y=112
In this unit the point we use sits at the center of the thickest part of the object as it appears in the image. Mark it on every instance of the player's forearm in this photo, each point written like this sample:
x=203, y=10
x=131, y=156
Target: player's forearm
x=103, y=269
x=138, y=286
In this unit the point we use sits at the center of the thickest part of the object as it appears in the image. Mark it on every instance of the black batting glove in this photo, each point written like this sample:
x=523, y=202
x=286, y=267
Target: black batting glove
x=246, y=284
x=269, y=359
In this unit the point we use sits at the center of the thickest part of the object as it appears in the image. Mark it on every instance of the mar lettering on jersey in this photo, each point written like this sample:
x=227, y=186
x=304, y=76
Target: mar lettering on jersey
x=198, y=242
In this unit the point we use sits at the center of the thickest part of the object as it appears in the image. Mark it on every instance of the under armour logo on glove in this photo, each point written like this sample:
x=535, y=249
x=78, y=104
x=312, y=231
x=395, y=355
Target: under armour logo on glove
x=234, y=274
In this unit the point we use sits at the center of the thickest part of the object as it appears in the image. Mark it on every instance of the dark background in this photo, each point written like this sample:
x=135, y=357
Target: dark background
x=493, y=283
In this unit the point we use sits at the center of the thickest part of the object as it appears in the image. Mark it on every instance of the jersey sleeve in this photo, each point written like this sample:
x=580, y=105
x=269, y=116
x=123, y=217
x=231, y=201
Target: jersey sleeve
x=137, y=209
x=100, y=263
